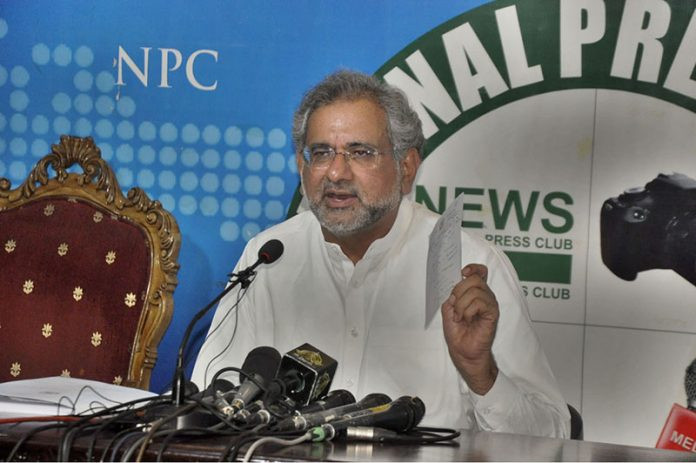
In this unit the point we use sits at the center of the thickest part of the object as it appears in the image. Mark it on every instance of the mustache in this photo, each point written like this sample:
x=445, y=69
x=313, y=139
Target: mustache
x=342, y=186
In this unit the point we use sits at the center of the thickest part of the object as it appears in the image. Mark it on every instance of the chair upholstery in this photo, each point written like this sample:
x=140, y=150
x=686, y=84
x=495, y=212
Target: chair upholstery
x=87, y=274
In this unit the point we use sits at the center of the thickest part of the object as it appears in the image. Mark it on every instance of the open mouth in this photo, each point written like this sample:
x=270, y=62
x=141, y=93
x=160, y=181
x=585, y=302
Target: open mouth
x=340, y=198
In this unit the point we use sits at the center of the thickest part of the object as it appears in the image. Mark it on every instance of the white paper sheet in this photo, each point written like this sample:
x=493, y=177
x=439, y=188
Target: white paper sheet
x=444, y=258
x=59, y=395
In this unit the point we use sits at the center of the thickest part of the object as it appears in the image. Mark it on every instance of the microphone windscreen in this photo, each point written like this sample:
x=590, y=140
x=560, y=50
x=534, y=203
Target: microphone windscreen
x=690, y=384
x=418, y=408
x=190, y=388
x=262, y=361
x=270, y=251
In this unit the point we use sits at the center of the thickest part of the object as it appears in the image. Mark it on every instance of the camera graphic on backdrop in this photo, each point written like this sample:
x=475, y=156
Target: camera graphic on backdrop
x=651, y=227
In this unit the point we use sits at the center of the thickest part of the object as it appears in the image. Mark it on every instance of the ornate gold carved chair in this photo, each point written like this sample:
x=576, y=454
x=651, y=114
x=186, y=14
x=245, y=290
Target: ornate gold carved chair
x=87, y=274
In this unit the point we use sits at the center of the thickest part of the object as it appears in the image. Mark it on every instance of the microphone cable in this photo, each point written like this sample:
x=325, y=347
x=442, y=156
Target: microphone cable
x=73, y=402
x=134, y=446
x=230, y=453
x=139, y=418
x=70, y=422
x=271, y=400
x=117, y=441
x=69, y=436
x=87, y=421
x=264, y=389
x=131, y=414
x=273, y=406
x=153, y=432
x=236, y=442
x=97, y=432
x=59, y=422
x=276, y=440
x=240, y=295
x=128, y=441
x=243, y=375
x=147, y=438
x=218, y=429
x=135, y=418
x=31, y=433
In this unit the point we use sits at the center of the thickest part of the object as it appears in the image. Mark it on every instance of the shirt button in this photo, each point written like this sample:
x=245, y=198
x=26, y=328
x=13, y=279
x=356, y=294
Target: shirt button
x=354, y=332
x=349, y=382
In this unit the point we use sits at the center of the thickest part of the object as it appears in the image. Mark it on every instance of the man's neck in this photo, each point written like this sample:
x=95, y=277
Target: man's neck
x=355, y=245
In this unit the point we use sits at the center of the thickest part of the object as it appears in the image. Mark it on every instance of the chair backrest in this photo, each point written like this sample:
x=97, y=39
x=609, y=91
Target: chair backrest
x=88, y=274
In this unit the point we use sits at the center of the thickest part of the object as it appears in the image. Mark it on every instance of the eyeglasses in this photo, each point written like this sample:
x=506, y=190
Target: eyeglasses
x=321, y=156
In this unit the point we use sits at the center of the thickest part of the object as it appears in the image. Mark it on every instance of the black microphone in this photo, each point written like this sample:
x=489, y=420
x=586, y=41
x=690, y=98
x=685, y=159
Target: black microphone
x=260, y=365
x=259, y=413
x=219, y=386
x=335, y=398
x=306, y=374
x=310, y=420
x=269, y=253
x=690, y=386
x=217, y=393
x=401, y=415
x=214, y=395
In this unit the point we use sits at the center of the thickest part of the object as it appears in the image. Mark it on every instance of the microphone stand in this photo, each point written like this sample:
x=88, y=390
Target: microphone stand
x=244, y=277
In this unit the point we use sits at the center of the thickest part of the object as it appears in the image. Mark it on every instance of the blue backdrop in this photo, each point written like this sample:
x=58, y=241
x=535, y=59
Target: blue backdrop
x=192, y=101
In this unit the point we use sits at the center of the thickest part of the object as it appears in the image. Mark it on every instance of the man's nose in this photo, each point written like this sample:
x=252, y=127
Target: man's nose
x=339, y=169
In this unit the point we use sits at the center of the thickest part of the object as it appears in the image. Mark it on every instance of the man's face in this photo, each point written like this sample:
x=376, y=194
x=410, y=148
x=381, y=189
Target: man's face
x=346, y=196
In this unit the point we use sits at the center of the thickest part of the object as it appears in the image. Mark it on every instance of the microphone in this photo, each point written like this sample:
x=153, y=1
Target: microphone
x=217, y=393
x=679, y=431
x=219, y=386
x=301, y=422
x=690, y=385
x=401, y=415
x=260, y=365
x=269, y=253
x=276, y=403
x=306, y=374
x=335, y=398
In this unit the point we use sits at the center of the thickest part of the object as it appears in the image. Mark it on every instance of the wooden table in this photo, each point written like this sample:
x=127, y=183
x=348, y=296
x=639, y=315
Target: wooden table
x=476, y=446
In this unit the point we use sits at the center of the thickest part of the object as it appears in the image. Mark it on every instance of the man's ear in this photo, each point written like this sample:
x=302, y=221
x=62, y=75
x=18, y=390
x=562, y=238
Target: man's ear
x=299, y=160
x=409, y=169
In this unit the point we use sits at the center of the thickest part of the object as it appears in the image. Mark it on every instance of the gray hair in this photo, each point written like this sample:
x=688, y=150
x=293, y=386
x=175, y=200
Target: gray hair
x=403, y=125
